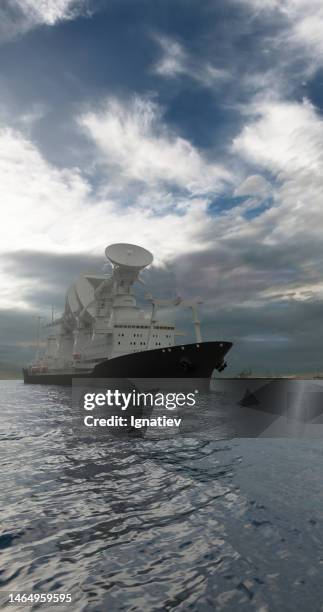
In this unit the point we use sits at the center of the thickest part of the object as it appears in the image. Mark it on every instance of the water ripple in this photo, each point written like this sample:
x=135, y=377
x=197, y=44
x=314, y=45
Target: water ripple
x=155, y=524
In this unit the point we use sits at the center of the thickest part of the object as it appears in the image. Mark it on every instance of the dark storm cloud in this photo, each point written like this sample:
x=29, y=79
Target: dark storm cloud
x=49, y=274
x=55, y=268
x=272, y=331
x=275, y=338
x=237, y=270
x=227, y=281
x=17, y=340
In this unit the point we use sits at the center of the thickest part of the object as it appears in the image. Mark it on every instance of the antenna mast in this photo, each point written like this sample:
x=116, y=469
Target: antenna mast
x=38, y=319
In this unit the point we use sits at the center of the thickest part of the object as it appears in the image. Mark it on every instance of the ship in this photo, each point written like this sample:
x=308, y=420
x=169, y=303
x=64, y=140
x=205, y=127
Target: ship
x=104, y=333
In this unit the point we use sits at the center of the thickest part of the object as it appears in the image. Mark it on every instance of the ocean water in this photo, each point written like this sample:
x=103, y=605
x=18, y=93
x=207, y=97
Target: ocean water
x=151, y=525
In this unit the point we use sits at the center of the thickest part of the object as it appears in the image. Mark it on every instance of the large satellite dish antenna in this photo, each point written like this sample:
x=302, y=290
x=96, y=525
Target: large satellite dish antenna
x=80, y=296
x=128, y=255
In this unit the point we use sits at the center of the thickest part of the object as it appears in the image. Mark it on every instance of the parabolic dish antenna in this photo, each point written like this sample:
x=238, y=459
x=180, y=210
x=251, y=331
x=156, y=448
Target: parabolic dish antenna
x=129, y=255
x=81, y=295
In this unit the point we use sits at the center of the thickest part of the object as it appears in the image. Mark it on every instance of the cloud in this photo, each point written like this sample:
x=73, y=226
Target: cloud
x=47, y=275
x=285, y=139
x=57, y=211
x=299, y=25
x=272, y=339
x=133, y=139
x=255, y=186
x=18, y=334
x=19, y=16
x=256, y=262
x=175, y=60
x=55, y=219
x=46, y=11
x=35, y=194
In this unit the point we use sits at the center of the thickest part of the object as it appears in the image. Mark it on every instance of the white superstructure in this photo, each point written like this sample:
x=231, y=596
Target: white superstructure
x=102, y=320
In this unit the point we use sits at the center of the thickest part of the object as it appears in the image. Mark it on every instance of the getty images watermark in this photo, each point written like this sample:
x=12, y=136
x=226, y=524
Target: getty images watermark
x=224, y=409
x=136, y=408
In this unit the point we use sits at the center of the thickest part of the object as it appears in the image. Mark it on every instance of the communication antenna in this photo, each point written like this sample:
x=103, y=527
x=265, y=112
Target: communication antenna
x=38, y=321
x=128, y=260
x=129, y=256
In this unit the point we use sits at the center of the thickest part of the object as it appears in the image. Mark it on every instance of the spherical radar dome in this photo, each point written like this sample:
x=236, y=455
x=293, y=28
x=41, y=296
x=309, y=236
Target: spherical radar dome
x=129, y=255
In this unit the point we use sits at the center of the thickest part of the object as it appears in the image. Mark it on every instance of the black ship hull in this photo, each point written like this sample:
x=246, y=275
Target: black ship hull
x=184, y=361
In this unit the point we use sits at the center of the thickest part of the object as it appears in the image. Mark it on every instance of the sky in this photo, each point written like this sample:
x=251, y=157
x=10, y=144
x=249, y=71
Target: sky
x=192, y=128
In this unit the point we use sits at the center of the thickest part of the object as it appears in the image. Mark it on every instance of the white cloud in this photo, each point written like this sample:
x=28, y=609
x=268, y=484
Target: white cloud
x=56, y=210
x=300, y=26
x=285, y=137
x=286, y=140
x=22, y=15
x=255, y=186
x=175, y=61
x=46, y=11
x=47, y=209
x=133, y=139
